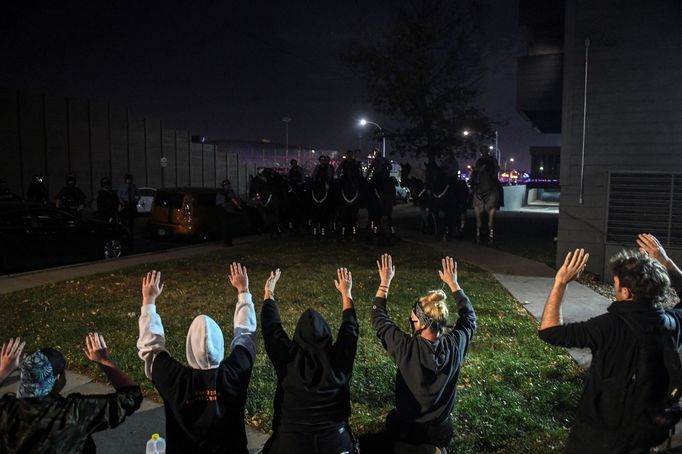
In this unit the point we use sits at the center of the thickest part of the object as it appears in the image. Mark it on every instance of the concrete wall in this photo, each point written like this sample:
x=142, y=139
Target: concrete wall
x=54, y=135
x=634, y=107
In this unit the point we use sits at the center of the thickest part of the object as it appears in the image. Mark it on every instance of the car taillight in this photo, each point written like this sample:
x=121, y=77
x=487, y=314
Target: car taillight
x=187, y=210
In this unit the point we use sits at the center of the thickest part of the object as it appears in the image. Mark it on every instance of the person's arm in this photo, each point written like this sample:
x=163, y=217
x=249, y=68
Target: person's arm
x=96, y=351
x=466, y=323
x=277, y=342
x=244, y=313
x=151, y=340
x=650, y=245
x=392, y=337
x=103, y=411
x=9, y=357
x=573, y=266
x=346, y=345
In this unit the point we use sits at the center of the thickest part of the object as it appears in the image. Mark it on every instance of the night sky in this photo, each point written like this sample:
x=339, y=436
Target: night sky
x=232, y=70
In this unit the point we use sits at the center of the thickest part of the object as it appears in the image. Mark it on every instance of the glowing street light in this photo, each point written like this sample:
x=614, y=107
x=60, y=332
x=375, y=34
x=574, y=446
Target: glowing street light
x=364, y=122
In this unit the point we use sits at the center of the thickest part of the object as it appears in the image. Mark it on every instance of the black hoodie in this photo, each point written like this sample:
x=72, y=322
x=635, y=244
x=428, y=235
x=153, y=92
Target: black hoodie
x=426, y=382
x=313, y=374
x=612, y=343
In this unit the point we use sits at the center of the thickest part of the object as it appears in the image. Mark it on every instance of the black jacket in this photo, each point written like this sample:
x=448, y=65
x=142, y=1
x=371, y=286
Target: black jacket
x=57, y=424
x=204, y=408
x=426, y=381
x=612, y=344
x=313, y=375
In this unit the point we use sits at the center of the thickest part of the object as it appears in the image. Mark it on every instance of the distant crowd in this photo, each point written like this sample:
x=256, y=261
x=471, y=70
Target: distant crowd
x=629, y=403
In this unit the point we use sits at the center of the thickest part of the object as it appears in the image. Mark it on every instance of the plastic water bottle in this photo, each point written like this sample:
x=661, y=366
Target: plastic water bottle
x=156, y=445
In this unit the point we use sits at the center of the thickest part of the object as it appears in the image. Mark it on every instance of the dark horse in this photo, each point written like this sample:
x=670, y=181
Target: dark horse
x=447, y=198
x=322, y=207
x=349, y=194
x=269, y=191
x=380, y=201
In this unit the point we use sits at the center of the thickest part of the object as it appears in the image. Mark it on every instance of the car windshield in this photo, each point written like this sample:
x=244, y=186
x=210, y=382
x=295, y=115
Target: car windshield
x=168, y=199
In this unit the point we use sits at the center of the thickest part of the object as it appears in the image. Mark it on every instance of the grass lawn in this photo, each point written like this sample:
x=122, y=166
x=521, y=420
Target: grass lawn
x=516, y=394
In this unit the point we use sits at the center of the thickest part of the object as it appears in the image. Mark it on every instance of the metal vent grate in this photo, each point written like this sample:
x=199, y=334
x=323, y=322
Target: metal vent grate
x=645, y=203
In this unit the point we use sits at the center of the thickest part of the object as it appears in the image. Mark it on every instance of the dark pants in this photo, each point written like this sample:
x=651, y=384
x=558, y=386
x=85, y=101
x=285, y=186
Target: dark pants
x=413, y=433
x=226, y=221
x=335, y=441
x=586, y=439
x=128, y=220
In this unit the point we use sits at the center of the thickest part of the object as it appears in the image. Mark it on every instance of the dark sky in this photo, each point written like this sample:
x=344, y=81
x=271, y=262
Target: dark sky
x=231, y=69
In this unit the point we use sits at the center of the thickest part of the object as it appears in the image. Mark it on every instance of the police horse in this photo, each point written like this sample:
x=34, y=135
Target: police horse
x=486, y=199
x=446, y=201
x=269, y=192
x=349, y=196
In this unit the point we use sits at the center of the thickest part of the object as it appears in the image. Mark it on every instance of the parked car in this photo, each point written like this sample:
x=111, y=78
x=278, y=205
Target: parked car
x=36, y=236
x=402, y=193
x=191, y=214
x=144, y=205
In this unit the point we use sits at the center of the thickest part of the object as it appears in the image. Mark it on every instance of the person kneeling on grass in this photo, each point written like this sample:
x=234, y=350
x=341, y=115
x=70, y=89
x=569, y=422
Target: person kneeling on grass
x=204, y=403
x=633, y=382
x=429, y=361
x=312, y=400
x=38, y=419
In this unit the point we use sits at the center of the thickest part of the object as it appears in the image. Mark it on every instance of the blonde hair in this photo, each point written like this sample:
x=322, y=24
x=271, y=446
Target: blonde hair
x=434, y=305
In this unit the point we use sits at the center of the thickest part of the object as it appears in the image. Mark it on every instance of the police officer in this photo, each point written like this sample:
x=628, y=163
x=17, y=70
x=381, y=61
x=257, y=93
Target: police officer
x=107, y=201
x=295, y=174
x=324, y=171
x=379, y=169
x=228, y=202
x=37, y=191
x=128, y=196
x=70, y=197
x=349, y=167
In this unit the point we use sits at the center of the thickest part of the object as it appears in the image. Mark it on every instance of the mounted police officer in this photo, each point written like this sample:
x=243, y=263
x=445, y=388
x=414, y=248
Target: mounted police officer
x=295, y=175
x=37, y=191
x=70, y=197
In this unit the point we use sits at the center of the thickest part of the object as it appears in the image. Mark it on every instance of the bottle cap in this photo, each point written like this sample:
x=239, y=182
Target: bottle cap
x=155, y=436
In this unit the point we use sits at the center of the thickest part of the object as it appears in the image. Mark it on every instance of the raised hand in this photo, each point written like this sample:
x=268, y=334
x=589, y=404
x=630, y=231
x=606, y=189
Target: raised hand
x=271, y=283
x=151, y=287
x=239, y=277
x=96, y=349
x=344, y=284
x=649, y=244
x=9, y=356
x=386, y=269
x=573, y=266
x=449, y=273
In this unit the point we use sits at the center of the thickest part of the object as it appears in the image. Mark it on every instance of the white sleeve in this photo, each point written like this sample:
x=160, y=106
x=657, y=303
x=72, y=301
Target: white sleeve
x=151, y=340
x=245, y=324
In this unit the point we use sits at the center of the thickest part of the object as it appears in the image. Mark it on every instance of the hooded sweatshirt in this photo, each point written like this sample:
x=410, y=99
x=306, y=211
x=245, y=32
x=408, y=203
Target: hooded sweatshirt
x=204, y=403
x=426, y=381
x=612, y=344
x=313, y=372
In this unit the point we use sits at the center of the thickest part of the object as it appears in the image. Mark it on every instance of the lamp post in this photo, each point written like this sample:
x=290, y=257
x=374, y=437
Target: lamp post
x=505, y=163
x=286, y=121
x=363, y=122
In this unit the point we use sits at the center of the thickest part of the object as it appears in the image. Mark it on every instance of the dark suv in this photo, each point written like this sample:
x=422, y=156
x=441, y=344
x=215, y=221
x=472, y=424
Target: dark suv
x=38, y=236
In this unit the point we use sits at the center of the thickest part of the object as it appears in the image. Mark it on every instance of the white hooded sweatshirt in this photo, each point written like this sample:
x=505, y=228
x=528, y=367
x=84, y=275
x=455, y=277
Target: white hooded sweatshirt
x=205, y=346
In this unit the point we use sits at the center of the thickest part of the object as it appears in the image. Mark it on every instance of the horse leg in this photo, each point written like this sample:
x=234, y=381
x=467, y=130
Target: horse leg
x=478, y=212
x=491, y=215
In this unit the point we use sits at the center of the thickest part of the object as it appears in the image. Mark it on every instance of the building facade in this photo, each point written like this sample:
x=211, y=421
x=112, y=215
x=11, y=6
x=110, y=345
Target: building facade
x=621, y=108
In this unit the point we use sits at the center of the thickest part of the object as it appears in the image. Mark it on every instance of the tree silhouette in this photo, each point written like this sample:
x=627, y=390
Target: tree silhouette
x=423, y=73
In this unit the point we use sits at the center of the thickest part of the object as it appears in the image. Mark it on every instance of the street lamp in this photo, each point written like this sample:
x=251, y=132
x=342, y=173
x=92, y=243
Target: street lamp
x=286, y=121
x=467, y=133
x=505, y=163
x=363, y=122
